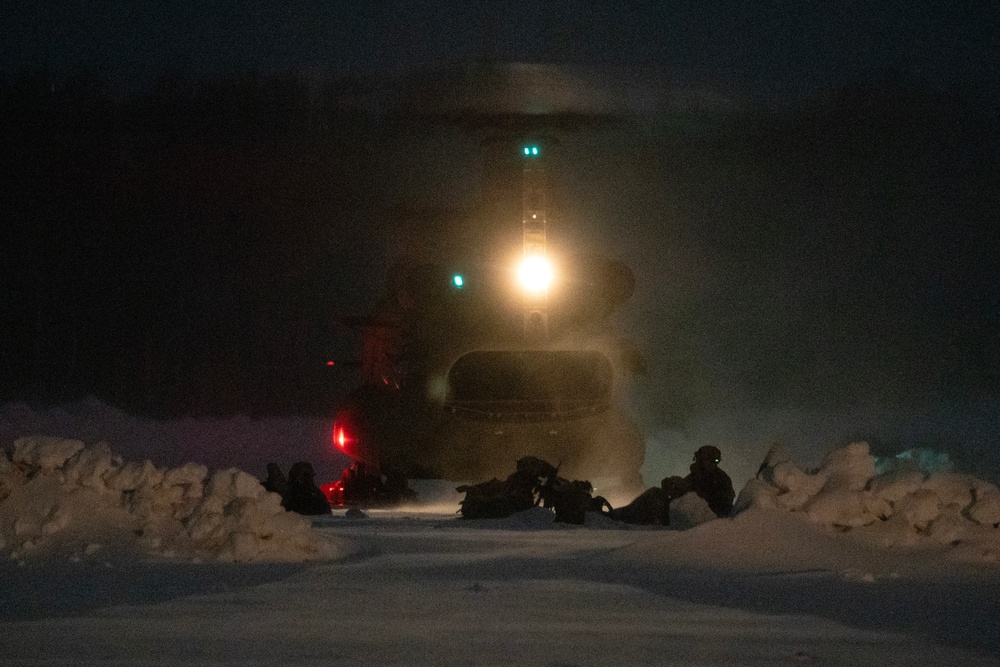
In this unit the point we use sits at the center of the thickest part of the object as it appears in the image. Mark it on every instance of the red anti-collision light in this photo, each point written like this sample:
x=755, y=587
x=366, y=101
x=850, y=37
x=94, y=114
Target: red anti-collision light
x=340, y=438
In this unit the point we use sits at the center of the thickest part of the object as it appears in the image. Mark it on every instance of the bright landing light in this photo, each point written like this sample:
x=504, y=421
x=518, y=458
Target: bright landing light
x=535, y=273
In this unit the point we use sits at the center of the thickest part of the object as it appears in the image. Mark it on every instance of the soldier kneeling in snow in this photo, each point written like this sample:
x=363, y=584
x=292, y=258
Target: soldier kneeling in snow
x=571, y=500
x=275, y=482
x=652, y=506
x=710, y=482
x=303, y=496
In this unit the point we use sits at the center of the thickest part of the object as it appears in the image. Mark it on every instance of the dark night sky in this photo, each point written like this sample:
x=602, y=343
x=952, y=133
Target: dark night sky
x=893, y=279
x=768, y=46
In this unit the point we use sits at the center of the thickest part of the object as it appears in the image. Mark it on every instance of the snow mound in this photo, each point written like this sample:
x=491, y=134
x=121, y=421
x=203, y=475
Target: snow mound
x=688, y=511
x=901, y=507
x=59, y=497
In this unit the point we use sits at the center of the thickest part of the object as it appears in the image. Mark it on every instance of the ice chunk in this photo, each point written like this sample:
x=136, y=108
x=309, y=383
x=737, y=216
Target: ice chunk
x=919, y=508
x=233, y=483
x=184, y=487
x=797, y=486
x=205, y=525
x=895, y=486
x=190, y=475
x=848, y=468
x=876, y=505
x=134, y=475
x=270, y=504
x=840, y=508
x=57, y=520
x=155, y=501
x=756, y=493
x=952, y=489
x=45, y=452
x=91, y=465
x=950, y=526
x=986, y=508
x=789, y=477
x=12, y=475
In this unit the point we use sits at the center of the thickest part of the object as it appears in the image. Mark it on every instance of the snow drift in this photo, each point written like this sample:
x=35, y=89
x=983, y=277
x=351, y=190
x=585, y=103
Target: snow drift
x=904, y=507
x=59, y=497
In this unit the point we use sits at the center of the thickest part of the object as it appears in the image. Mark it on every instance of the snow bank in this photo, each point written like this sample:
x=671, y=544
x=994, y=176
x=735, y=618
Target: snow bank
x=902, y=507
x=59, y=497
x=688, y=511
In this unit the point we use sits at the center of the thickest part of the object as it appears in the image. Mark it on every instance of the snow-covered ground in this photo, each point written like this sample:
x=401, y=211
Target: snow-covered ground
x=107, y=559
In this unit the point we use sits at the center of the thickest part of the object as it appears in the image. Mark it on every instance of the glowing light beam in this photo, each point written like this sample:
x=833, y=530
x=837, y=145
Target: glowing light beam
x=535, y=274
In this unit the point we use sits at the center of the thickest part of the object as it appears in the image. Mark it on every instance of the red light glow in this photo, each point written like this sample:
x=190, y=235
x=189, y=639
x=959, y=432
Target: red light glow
x=340, y=438
x=331, y=363
x=334, y=492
